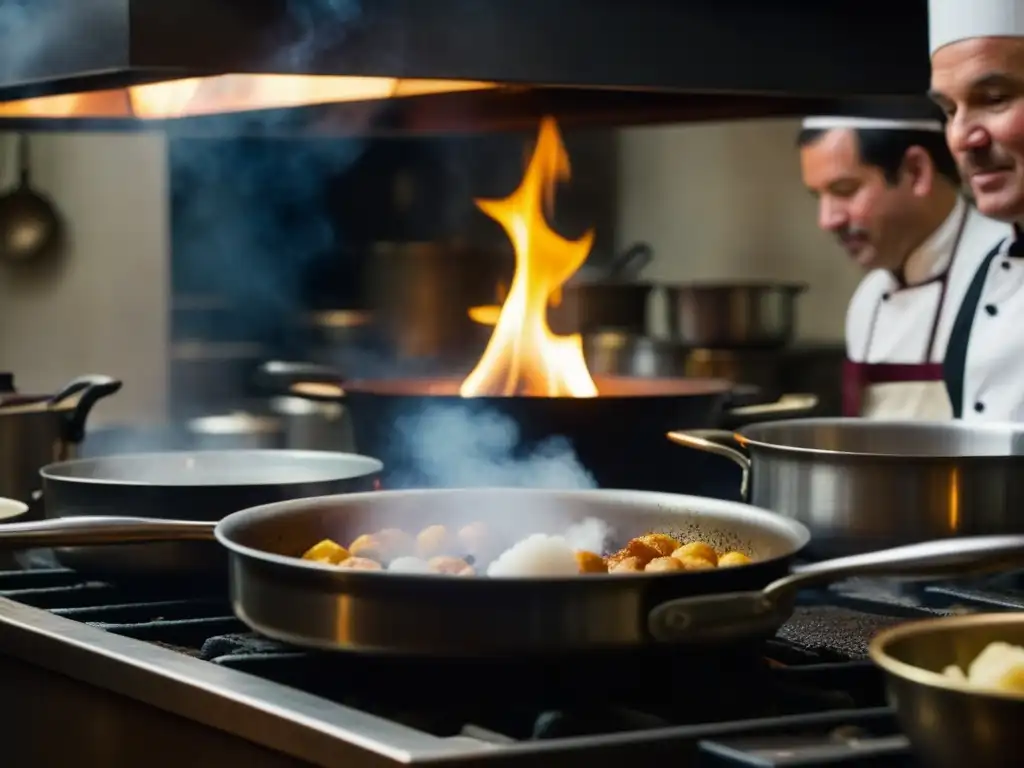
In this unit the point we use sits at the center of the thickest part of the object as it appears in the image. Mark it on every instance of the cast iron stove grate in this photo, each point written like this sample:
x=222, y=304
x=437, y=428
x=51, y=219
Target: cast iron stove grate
x=809, y=697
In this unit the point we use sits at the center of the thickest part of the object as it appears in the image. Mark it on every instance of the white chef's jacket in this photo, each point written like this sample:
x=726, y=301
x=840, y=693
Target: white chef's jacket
x=984, y=367
x=899, y=332
x=889, y=324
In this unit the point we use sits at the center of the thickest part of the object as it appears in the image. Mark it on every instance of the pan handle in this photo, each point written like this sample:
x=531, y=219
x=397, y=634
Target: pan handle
x=304, y=380
x=728, y=615
x=787, y=406
x=719, y=442
x=98, y=530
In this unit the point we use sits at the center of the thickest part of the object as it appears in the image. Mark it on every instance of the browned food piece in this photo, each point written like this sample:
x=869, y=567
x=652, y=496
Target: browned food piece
x=691, y=563
x=661, y=543
x=473, y=539
x=394, y=543
x=361, y=564
x=641, y=550
x=368, y=546
x=664, y=565
x=453, y=565
x=627, y=564
x=588, y=562
x=434, y=540
x=730, y=559
x=326, y=551
x=697, y=549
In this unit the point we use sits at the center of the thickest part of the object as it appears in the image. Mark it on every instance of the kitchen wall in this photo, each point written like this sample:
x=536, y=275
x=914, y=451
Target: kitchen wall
x=104, y=309
x=724, y=201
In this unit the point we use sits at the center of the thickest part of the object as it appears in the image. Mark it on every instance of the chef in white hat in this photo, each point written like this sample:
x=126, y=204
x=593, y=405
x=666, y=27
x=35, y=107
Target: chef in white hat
x=888, y=189
x=977, y=55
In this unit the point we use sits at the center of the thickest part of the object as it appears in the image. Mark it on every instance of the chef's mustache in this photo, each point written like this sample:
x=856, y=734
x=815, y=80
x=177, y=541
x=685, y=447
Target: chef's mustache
x=985, y=160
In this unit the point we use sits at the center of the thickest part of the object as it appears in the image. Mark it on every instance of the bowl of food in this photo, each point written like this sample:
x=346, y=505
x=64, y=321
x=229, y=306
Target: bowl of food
x=11, y=509
x=957, y=684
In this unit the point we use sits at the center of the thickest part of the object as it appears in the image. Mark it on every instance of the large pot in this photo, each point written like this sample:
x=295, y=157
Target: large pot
x=36, y=430
x=732, y=315
x=427, y=435
x=860, y=485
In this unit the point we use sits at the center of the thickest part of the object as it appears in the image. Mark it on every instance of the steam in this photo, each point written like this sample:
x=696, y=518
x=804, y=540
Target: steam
x=461, y=447
x=589, y=535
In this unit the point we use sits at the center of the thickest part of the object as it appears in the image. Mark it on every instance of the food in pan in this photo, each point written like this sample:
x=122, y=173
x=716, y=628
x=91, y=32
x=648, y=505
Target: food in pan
x=590, y=562
x=999, y=668
x=360, y=564
x=730, y=559
x=536, y=555
x=470, y=551
x=652, y=551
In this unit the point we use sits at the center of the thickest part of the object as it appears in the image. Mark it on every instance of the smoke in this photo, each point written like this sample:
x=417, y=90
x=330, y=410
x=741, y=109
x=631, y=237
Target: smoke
x=252, y=218
x=460, y=447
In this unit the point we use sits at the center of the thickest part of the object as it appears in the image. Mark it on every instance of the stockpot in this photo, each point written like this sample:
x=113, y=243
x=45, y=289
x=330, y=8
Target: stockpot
x=861, y=485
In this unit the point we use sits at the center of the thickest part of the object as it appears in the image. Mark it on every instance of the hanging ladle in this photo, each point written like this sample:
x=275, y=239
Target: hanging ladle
x=30, y=227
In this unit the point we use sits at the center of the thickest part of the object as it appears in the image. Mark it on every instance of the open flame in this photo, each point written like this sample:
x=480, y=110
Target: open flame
x=194, y=96
x=523, y=356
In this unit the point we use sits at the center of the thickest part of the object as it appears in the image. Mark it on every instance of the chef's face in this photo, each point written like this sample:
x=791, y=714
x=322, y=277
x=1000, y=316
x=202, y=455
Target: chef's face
x=866, y=212
x=979, y=84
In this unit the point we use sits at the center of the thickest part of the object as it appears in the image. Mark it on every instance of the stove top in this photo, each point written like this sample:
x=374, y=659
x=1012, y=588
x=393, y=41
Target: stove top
x=150, y=666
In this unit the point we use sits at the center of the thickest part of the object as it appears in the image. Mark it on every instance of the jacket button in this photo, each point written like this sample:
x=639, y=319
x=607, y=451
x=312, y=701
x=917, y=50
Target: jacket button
x=885, y=296
x=1006, y=265
x=979, y=407
x=991, y=309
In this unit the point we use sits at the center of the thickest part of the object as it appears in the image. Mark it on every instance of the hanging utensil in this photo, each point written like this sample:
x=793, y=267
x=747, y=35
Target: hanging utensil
x=30, y=227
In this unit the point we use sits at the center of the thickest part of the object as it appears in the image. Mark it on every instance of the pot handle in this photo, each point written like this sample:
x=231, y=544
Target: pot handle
x=787, y=406
x=718, y=616
x=94, y=388
x=720, y=442
x=308, y=381
x=100, y=530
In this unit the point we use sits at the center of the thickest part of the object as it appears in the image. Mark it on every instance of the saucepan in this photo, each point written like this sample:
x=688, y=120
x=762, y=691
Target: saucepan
x=322, y=606
x=861, y=484
x=199, y=485
x=951, y=723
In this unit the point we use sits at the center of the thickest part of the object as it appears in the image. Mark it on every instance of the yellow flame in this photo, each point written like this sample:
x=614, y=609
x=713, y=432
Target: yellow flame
x=190, y=97
x=523, y=356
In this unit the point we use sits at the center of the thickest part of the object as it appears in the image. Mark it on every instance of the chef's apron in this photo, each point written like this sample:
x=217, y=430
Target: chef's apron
x=910, y=391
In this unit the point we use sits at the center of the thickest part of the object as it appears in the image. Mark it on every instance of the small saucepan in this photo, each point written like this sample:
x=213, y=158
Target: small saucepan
x=323, y=606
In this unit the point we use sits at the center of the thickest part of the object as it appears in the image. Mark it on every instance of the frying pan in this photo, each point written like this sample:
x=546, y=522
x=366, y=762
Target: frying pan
x=388, y=418
x=948, y=722
x=319, y=606
x=201, y=485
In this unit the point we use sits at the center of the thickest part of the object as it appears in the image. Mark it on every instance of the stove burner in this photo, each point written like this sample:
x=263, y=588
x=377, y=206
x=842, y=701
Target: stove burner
x=807, y=697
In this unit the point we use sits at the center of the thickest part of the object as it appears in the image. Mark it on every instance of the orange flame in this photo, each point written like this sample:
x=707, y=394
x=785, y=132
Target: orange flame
x=523, y=356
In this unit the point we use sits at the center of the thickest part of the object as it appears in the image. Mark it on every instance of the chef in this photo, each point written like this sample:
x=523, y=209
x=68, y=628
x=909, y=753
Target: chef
x=977, y=56
x=888, y=189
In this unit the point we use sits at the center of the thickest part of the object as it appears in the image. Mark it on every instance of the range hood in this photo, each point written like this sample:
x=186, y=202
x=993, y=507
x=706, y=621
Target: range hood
x=426, y=65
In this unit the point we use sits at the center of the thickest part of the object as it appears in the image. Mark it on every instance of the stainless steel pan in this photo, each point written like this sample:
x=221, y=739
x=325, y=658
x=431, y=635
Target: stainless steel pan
x=949, y=723
x=732, y=315
x=201, y=485
x=860, y=484
x=320, y=606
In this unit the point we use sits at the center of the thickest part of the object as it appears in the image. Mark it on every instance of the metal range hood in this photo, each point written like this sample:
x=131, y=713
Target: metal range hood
x=445, y=65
